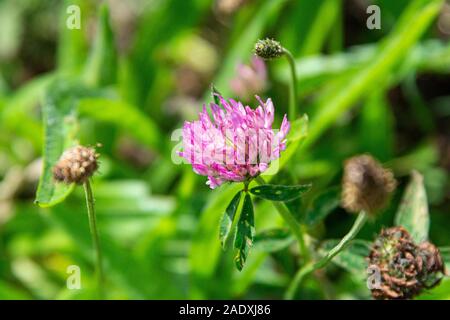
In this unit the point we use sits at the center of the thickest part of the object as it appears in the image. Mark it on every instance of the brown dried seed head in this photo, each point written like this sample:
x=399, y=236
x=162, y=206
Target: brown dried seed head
x=405, y=268
x=433, y=264
x=432, y=257
x=76, y=165
x=366, y=184
x=394, y=254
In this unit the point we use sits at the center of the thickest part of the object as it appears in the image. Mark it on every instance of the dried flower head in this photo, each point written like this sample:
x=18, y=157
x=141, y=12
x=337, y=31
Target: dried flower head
x=76, y=165
x=366, y=184
x=434, y=265
x=268, y=49
x=236, y=144
x=405, y=268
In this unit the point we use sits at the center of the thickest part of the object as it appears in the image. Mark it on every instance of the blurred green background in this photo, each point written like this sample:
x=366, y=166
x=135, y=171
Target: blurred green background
x=137, y=69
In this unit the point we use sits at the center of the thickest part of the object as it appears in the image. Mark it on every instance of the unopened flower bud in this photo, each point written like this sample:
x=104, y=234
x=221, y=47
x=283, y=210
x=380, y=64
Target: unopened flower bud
x=405, y=268
x=366, y=184
x=76, y=165
x=268, y=49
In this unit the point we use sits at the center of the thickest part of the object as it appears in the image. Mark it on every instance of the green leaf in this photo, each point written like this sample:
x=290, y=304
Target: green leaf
x=60, y=129
x=295, y=207
x=273, y=240
x=11, y=28
x=227, y=219
x=440, y=292
x=17, y=112
x=324, y=22
x=72, y=42
x=10, y=292
x=297, y=135
x=376, y=126
x=118, y=259
x=352, y=258
x=101, y=68
x=129, y=199
x=322, y=206
x=280, y=193
x=299, y=129
x=124, y=116
x=245, y=233
x=413, y=211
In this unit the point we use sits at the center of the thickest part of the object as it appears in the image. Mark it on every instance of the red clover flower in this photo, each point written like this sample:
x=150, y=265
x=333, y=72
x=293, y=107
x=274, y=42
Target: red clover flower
x=236, y=144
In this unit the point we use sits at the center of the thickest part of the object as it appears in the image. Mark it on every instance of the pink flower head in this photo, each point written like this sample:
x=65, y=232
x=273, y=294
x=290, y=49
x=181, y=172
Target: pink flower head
x=236, y=144
x=250, y=79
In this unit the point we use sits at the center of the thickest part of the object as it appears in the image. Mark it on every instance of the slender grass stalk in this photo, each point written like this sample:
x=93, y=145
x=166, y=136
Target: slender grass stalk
x=95, y=238
x=292, y=85
x=312, y=266
x=297, y=228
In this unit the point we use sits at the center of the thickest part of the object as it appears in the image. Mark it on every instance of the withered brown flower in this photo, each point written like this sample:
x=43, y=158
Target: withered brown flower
x=76, y=165
x=366, y=185
x=405, y=268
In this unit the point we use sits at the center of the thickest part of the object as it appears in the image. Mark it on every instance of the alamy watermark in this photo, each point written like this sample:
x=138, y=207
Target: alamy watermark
x=373, y=277
x=374, y=20
x=73, y=281
x=73, y=20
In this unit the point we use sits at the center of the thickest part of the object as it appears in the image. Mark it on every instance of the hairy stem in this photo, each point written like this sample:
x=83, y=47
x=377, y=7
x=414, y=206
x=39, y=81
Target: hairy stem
x=95, y=238
x=296, y=228
x=292, y=85
x=312, y=266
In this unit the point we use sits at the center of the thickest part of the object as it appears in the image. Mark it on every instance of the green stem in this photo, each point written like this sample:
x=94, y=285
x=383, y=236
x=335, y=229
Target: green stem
x=292, y=86
x=297, y=228
x=95, y=238
x=312, y=266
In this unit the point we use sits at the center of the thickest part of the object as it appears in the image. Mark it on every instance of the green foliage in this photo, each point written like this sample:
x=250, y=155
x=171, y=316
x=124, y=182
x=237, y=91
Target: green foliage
x=101, y=68
x=60, y=127
x=273, y=240
x=299, y=129
x=413, y=211
x=228, y=218
x=124, y=116
x=73, y=45
x=245, y=233
x=352, y=259
x=376, y=126
x=322, y=205
x=279, y=193
x=338, y=100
